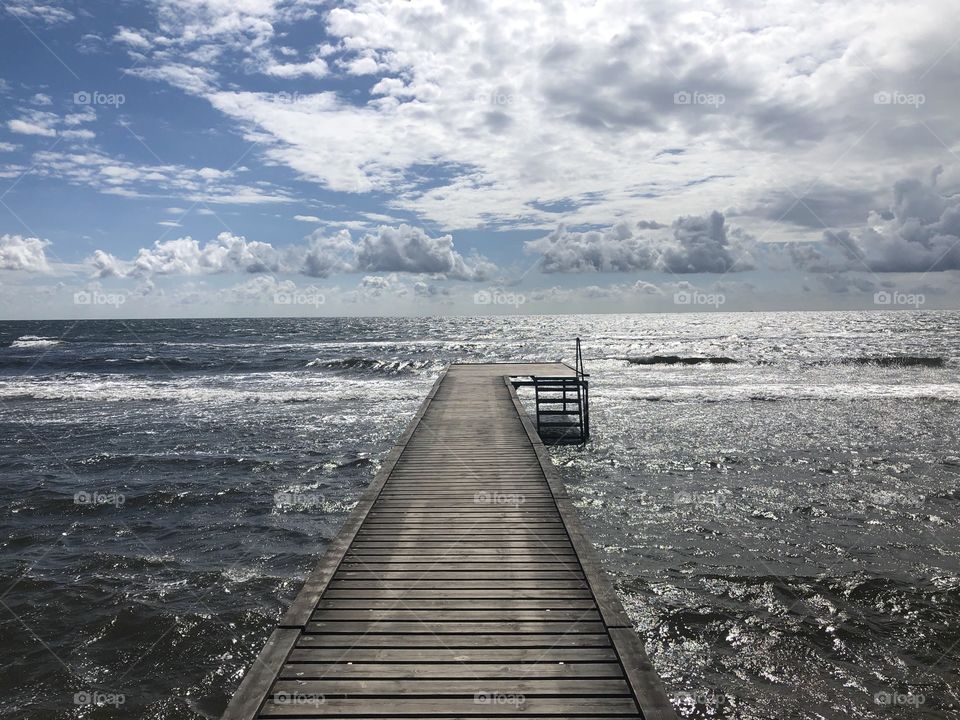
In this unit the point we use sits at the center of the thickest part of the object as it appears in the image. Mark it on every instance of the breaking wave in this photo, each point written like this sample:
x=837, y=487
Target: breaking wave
x=679, y=360
x=34, y=341
x=373, y=366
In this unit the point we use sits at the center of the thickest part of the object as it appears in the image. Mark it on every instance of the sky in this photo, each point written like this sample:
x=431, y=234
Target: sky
x=197, y=158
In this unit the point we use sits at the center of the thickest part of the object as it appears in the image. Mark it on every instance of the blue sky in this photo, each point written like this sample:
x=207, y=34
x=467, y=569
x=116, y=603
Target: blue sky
x=268, y=157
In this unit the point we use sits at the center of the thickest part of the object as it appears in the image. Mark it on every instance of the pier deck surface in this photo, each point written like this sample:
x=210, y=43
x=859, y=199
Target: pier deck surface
x=461, y=586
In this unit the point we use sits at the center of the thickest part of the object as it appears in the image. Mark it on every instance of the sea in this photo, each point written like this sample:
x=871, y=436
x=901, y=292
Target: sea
x=774, y=495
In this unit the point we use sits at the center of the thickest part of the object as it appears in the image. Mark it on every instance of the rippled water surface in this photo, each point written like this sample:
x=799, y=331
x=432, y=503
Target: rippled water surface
x=774, y=494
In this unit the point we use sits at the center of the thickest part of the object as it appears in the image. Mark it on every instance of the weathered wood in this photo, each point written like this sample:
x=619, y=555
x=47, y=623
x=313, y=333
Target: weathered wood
x=248, y=698
x=431, y=670
x=462, y=585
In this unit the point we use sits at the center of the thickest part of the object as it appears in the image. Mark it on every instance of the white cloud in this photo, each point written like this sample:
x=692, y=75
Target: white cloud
x=391, y=250
x=307, y=218
x=316, y=68
x=409, y=249
x=51, y=13
x=78, y=134
x=362, y=66
x=41, y=99
x=132, y=38
x=920, y=233
x=567, y=117
x=185, y=256
x=693, y=244
x=23, y=254
x=617, y=249
x=117, y=177
x=27, y=127
x=46, y=124
x=189, y=78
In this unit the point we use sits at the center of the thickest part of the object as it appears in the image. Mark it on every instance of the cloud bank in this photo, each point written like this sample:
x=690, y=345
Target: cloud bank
x=401, y=249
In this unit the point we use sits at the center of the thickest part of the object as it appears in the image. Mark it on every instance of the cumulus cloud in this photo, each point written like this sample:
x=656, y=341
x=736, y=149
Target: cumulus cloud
x=693, y=244
x=390, y=250
x=25, y=254
x=325, y=255
x=317, y=68
x=919, y=233
x=617, y=249
x=50, y=13
x=186, y=256
x=34, y=124
x=410, y=249
x=701, y=246
x=467, y=101
x=47, y=124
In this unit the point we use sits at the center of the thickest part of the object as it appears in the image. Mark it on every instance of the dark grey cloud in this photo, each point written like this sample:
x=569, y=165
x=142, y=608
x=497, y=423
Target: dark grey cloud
x=919, y=233
x=693, y=244
x=824, y=206
x=701, y=246
x=616, y=249
x=410, y=249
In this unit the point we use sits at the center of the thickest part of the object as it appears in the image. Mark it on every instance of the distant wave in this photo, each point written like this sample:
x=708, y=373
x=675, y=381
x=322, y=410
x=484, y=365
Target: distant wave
x=34, y=341
x=364, y=365
x=772, y=392
x=897, y=361
x=883, y=361
x=679, y=360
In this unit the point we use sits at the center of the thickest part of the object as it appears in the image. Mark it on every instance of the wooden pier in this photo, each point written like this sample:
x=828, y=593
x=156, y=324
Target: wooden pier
x=462, y=585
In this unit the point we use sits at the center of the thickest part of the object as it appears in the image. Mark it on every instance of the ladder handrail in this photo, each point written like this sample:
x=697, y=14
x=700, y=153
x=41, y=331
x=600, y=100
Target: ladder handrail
x=546, y=387
x=579, y=371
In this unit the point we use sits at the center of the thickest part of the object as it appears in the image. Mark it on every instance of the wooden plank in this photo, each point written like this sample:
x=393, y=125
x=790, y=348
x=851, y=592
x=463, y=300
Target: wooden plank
x=485, y=702
x=517, y=595
x=299, y=611
x=454, y=641
x=459, y=586
x=433, y=670
x=577, y=656
x=462, y=686
x=432, y=615
x=443, y=628
x=248, y=698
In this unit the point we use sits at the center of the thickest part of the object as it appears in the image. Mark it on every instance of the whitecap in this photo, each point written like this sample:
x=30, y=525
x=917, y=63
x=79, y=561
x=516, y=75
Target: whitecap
x=34, y=341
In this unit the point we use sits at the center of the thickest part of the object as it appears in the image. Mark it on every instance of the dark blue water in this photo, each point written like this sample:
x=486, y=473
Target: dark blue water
x=782, y=525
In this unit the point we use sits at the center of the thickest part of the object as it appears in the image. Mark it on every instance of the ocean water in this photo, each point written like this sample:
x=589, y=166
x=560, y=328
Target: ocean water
x=774, y=494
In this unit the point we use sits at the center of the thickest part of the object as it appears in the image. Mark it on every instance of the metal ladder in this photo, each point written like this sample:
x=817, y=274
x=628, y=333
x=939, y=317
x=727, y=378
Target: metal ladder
x=563, y=406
